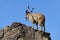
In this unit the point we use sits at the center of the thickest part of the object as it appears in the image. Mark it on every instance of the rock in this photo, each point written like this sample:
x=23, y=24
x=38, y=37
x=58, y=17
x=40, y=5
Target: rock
x=20, y=39
x=16, y=24
x=18, y=31
x=40, y=35
x=11, y=34
x=6, y=29
x=1, y=33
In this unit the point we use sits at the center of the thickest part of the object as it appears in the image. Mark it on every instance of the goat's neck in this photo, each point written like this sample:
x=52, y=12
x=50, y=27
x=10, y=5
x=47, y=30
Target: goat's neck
x=30, y=16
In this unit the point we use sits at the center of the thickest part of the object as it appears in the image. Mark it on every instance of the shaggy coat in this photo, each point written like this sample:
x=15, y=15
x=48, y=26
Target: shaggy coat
x=36, y=18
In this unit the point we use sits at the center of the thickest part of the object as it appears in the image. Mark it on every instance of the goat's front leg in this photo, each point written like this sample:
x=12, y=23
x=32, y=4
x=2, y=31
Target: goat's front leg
x=37, y=26
x=40, y=28
x=32, y=25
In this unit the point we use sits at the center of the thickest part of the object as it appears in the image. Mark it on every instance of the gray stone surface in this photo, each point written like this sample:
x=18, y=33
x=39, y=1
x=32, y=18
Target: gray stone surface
x=40, y=35
x=18, y=31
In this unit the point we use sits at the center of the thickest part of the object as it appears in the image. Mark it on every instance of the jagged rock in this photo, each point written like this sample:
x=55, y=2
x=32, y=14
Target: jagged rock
x=20, y=39
x=1, y=33
x=6, y=29
x=18, y=31
x=40, y=35
x=16, y=24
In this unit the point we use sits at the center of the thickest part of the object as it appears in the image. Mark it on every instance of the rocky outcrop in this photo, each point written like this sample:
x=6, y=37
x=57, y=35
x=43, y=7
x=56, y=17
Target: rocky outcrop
x=18, y=31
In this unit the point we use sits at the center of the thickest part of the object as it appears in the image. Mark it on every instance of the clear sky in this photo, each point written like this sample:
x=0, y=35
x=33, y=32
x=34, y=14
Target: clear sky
x=14, y=11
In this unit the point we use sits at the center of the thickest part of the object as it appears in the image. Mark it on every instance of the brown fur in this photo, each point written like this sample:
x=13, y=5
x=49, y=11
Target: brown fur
x=37, y=18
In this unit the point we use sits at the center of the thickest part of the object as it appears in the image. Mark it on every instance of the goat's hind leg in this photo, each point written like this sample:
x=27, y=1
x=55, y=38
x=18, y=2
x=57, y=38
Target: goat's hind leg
x=37, y=26
x=40, y=25
x=44, y=27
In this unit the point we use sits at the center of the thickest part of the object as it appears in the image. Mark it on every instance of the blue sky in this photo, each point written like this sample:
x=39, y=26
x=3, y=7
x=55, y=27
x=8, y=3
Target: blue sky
x=14, y=11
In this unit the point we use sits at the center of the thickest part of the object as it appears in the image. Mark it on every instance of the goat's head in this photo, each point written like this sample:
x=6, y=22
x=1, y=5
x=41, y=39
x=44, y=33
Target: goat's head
x=27, y=15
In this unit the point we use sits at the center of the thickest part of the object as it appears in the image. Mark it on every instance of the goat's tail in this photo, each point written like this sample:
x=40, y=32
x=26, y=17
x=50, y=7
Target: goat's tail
x=44, y=26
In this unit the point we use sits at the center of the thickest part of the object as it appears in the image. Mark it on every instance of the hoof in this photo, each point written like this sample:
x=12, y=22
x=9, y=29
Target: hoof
x=36, y=28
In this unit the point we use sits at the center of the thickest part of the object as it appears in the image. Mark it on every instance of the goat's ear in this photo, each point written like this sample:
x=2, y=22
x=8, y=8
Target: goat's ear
x=32, y=10
x=26, y=12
